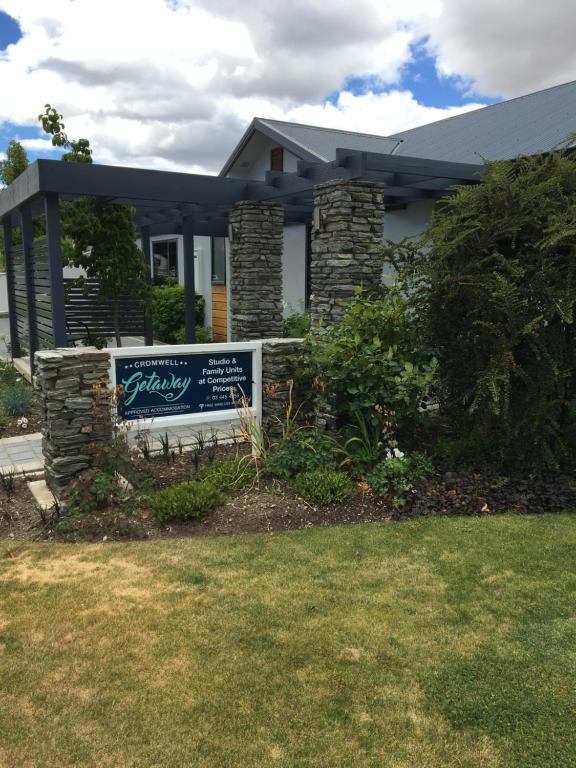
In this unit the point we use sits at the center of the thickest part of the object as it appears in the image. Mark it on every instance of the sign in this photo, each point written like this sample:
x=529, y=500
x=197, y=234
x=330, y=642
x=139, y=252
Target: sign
x=186, y=383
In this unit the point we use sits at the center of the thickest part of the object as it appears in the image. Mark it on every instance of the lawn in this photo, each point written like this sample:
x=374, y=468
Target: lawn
x=440, y=642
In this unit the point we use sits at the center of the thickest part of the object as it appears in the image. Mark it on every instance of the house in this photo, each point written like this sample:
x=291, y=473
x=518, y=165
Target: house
x=528, y=124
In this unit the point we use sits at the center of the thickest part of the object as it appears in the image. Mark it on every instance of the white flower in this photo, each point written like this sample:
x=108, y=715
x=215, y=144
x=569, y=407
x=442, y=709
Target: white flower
x=394, y=453
x=23, y=422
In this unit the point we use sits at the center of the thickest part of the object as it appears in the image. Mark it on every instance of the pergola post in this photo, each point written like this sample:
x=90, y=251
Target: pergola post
x=256, y=244
x=57, y=298
x=347, y=245
x=189, y=279
x=12, y=317
x=28, y=246
x=146, y=251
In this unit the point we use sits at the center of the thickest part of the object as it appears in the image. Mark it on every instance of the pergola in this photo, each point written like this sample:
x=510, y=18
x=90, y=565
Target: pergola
x=178, y=203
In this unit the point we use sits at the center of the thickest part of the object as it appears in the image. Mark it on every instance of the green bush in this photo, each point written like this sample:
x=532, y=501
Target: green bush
x=296, y=326
x=500, y=304
x=186, y=501
x=8, y=374
x=96, y=490
x=324, y=486
x=203, y=335
x=16, y=400
x=395, y=475
x=372, y=357
x=304, y=450
x=231, y=475
x=167, y=307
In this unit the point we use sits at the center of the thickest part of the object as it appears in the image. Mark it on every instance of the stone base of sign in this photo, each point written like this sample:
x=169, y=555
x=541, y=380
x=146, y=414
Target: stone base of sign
x=256, y=270
x=73, y=385
x=347, y=238
x=75, y=404
x=280, y=360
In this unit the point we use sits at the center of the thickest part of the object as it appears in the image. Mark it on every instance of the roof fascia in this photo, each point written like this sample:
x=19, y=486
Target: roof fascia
x=259, y=126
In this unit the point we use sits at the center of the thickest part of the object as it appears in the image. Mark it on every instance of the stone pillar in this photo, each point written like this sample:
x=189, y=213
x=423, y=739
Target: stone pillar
x=75, y=402
x=256, y=238
x=280, y=361
x=347, y=244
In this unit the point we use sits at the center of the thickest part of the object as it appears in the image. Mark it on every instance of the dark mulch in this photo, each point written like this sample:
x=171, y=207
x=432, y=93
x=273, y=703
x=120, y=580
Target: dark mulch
x=19, y=515
x=474, y=492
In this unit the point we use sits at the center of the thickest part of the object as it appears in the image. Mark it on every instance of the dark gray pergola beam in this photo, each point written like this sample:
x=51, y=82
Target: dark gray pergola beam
x=189, y=280
x=12, y=317
x=28, y=245
x=147, y=256
x=51, y=212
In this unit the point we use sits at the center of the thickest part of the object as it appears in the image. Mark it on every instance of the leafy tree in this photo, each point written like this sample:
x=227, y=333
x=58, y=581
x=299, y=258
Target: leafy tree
x=498, y=303
x=101, y=236
x=16, y=162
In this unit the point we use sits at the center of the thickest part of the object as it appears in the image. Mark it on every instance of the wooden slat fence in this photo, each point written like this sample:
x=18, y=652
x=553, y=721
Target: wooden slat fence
x=87, y=316
x=42, y=300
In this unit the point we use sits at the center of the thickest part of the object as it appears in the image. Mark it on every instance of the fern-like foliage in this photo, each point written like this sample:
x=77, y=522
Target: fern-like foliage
x=498, y=304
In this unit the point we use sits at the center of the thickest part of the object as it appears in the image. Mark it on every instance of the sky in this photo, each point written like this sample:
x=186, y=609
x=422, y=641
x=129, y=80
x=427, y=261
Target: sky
x=173, y=84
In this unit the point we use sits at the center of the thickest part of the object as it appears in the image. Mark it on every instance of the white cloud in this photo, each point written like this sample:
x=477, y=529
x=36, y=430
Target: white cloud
x=172, y=84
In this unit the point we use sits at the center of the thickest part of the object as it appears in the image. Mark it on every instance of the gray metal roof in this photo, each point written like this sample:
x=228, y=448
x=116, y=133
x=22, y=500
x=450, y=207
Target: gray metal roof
x=323, y=142
x=526, y=125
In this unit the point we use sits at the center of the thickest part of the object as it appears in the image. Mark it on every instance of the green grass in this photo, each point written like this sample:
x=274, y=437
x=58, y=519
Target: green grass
x=444, y=642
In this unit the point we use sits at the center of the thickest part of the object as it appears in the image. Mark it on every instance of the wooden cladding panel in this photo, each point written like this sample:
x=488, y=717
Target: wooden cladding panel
x=219, y=313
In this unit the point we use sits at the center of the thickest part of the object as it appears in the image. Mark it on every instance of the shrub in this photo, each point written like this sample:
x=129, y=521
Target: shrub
x=324, y=486
x=296, y=326
x=365, y=443
x=231, y=475
x=203, y=335
x=16, y=400
x=8, y=374
x=186, y=501
x=500, y=302
x=167, y=307
x=395, y=475
x=95, y=490
x=303, y=450
x=372, y=356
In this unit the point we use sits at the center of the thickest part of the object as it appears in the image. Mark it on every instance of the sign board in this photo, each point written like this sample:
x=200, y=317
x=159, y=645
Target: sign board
x=187, y=383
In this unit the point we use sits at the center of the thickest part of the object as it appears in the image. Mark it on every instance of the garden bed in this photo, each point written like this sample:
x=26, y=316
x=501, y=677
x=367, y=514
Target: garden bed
x=273, y=505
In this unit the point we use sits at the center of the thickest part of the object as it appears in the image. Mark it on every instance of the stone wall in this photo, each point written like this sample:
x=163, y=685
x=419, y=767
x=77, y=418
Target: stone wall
x=75, y=408
x=346, y=252
x=280, y=360
x=256, y=270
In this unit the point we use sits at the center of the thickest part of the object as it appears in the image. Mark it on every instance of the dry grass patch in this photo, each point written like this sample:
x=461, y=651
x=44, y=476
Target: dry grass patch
x=434, y=643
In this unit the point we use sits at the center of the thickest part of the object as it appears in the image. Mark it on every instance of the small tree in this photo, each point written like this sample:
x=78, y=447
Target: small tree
x=16, y=163
x=103, y=234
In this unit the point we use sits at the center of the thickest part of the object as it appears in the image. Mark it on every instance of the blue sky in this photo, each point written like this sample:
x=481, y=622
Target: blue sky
x=10, y=33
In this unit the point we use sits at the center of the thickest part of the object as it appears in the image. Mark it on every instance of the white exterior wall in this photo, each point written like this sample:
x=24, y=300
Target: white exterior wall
x=294, y=269
x=409, y=222
x=3, y=294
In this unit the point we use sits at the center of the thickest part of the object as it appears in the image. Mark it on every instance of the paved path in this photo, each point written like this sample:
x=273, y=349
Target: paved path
x=23, y=454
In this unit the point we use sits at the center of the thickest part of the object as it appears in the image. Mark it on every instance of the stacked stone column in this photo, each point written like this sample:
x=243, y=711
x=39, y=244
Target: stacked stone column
x=256, y=239
x=347, y=253
x=280, y=361
x=75, y=405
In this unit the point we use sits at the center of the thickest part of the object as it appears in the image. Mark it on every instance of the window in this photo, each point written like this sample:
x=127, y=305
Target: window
x=277, y=159
x=165, y=259
x=218, y=261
